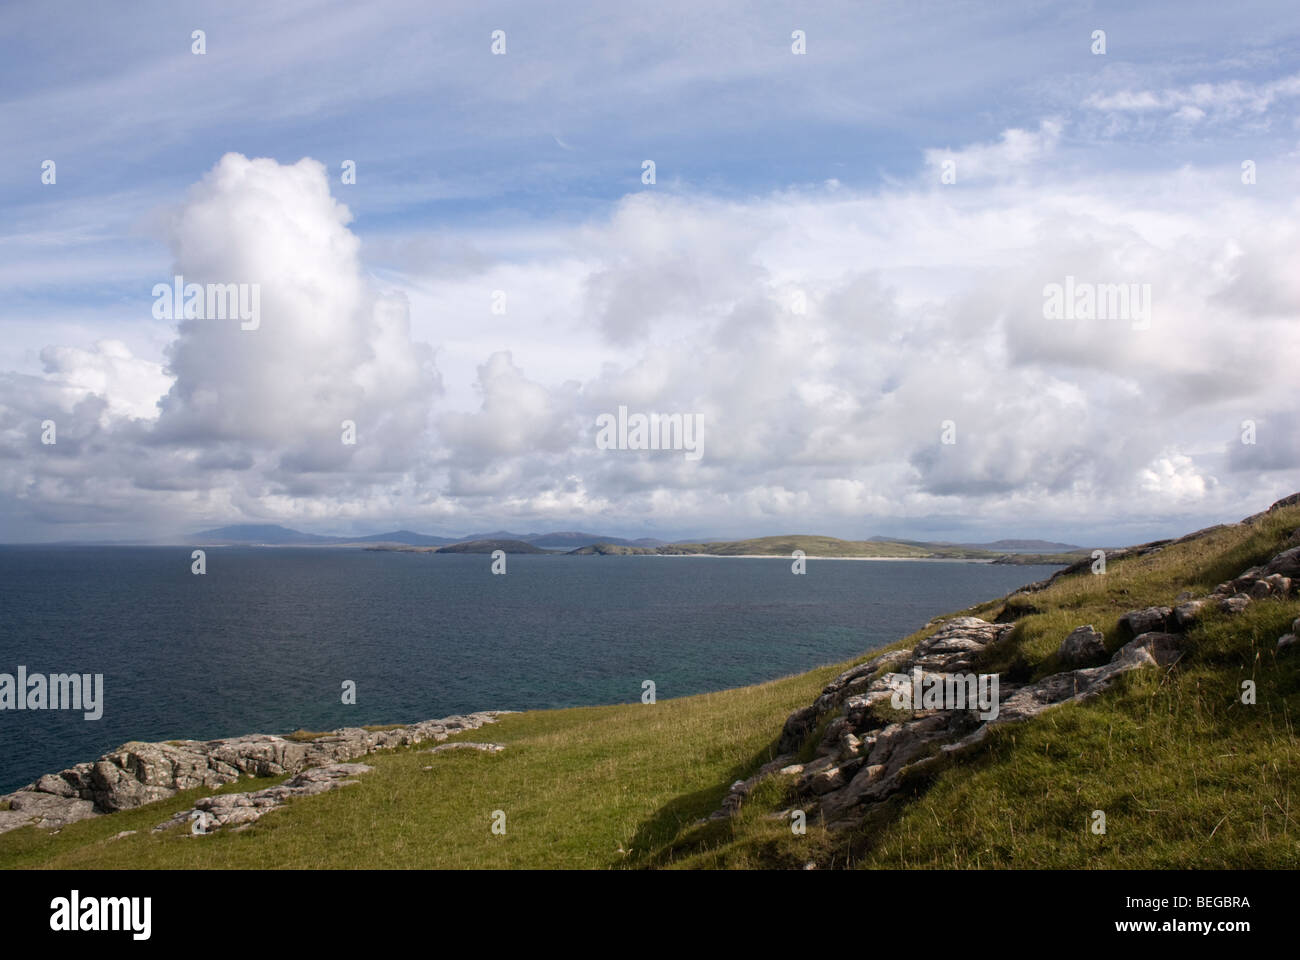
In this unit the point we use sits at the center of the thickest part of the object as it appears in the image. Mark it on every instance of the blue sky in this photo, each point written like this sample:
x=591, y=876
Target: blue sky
x=776, y=173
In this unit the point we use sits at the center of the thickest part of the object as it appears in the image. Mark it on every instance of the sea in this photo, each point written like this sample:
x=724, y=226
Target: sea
x=268, y=639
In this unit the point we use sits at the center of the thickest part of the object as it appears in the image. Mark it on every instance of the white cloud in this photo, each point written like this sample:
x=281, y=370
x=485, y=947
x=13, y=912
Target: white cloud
x=1221, y=101
x=129, y=385
x=923, y=304
x=1014, y=152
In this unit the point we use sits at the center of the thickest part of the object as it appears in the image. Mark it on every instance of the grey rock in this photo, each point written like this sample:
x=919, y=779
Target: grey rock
x=48, y=810
x=863, y=760
x=1287, y=563
x=1187, y=615
x=1083, y=645
x=1164, y=648
x=54, y=784
x=466, y=745
x=1234, y=604
x=137, y=773
x=1138, y=622
x=239, y=810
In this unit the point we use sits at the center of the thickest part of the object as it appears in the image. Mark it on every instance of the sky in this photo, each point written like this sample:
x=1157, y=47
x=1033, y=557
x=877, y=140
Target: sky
x=840, y=269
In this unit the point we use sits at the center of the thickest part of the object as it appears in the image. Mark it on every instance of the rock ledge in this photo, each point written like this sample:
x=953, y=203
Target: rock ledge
x=137, y=773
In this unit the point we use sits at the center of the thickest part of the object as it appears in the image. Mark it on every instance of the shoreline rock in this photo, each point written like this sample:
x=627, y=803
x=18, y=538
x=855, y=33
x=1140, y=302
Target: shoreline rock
x=138, y=773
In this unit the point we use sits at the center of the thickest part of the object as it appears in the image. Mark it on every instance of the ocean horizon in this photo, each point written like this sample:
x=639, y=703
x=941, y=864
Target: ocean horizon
x=265, y=639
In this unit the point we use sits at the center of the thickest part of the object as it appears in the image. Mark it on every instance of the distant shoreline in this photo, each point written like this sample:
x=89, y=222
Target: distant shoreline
x=786, y=556
x=1006, y=559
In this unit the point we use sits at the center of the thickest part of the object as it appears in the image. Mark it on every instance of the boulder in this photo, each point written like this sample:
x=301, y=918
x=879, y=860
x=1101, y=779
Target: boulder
x=1280, y=585
x=1234, y=604
x=1187, y=615
x=1138, y=622
x=1164, y=648
x=1083, y=645
x=1287, y=563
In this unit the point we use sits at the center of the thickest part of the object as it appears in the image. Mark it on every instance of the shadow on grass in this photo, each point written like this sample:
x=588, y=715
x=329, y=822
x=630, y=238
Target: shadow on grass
x=657, y=836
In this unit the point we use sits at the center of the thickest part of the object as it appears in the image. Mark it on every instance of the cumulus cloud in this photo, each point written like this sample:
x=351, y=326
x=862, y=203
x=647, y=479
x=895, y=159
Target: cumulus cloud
x=247, y=413
x=823, y=335
x=327, y=348
x=1014, y=152
x=129, y=385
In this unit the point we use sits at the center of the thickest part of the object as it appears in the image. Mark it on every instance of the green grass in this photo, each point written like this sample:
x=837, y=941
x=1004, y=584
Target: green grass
x=595, y=787
x=1186, y=774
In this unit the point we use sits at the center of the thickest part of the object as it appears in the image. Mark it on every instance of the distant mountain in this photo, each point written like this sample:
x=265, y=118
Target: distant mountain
x=997, y=546
x=276, y=535
x=561, y=539
x=407, y=537
x=488, y=546
x=259, y=533
x=1028, y=546
x=272, y=534
x=497, y=535
x=574, y=539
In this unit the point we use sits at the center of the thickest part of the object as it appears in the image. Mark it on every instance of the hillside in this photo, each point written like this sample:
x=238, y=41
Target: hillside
x=814, y=546
x=490, y=546
x=1187, y=775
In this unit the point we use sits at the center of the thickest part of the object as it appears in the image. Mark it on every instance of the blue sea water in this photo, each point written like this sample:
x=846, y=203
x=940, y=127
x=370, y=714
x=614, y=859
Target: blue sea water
x=264, y=640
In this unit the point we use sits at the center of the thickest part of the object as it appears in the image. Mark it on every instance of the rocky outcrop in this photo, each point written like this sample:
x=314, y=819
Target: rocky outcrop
x=869, y=749
x=1288, y=640
x=137, y=773
x=239, y=810
x=466, y=745
x=1137, y=622
x=1083, y=645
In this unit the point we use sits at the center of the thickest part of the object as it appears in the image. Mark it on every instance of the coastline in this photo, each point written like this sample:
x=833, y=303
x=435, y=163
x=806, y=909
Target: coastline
x=140, y=772
x=785, y=556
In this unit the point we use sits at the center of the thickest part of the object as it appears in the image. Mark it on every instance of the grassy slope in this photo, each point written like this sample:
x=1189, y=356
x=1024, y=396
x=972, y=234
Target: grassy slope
x=1187, y=775
x=576, y=785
